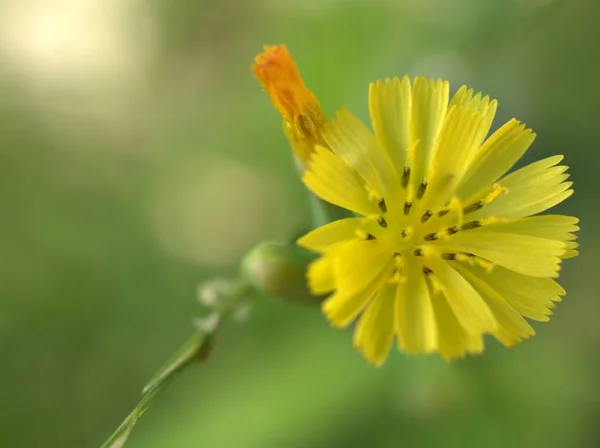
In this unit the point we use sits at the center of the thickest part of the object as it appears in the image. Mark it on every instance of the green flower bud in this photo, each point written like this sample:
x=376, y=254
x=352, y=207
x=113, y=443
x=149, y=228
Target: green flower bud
x=280, y=271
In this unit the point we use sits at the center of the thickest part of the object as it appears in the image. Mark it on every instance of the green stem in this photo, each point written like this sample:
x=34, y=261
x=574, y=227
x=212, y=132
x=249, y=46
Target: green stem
x=196, y=348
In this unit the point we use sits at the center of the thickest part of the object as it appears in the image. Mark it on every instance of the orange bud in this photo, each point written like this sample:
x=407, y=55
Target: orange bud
x=302, y=114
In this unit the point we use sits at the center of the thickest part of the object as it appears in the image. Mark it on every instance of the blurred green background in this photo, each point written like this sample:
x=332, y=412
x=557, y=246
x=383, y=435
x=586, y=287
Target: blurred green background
x=138, y=158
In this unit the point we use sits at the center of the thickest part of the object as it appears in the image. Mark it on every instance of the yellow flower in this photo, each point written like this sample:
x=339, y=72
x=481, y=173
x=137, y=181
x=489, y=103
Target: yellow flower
x=444, y=248
x=303, y=118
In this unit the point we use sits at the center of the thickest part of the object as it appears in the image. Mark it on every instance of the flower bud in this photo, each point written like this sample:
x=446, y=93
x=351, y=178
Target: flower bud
x=280, y=271
x=303, y=118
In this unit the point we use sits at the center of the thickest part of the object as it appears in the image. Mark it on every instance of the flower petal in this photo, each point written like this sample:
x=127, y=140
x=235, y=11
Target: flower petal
x=342, y=308
x=486, y=107
x=463, y=133
x=330, y=178
x=360, y=262
x=552, y=227
x=464, y=128
x=512, y=328
x=570, y=252
x=530, y=190
x=497, y=155
x=466, y=303
x=429, y=105
x=414, y=315
x=553, y=196
x=453, y=340
x=354, y=143
x=374, y=332
x=538, y=257
x=390, y=108
x=320, y=239
x=529, y=296
x=360, y=268
x=320, y=275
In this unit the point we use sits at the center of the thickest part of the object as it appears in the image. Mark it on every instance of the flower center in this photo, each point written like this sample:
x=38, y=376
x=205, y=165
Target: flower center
x=416, y=230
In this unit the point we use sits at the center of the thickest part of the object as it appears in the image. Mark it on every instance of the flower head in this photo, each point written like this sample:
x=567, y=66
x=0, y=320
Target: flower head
x=444, y=248
x=303, y=118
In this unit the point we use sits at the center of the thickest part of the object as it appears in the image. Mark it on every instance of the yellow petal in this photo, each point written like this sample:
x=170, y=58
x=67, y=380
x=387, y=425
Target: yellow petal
x=341, y=309
x=390, y=108
x=453, y=341
x=323, y=237
x=512, y=328
x=463, y=96
x=497, y=155
x=331, y=179
x=529, y=296
x=461, y=134
x=320, y=276
x=530, y=190
x=538, y=257
x=531, y=171
x=360, y=262
x=552, y=227
x=487, y=110
x=468, y=306
x=375, y=329
x=429, y=105
x=571, y=252
x=414, y=315
x=354, y=143
x=553, y=197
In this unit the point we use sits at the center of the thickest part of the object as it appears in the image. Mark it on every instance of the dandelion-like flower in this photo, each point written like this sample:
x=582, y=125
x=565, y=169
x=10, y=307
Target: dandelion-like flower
x=444, y=247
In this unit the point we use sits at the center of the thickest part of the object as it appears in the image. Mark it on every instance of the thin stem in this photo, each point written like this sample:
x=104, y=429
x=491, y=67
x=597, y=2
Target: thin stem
x=196, y=348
